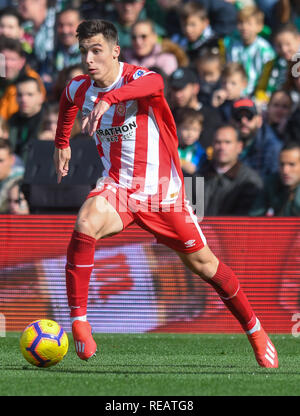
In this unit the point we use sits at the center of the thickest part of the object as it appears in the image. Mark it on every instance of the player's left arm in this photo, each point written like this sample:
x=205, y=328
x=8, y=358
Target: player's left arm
x=148, y=84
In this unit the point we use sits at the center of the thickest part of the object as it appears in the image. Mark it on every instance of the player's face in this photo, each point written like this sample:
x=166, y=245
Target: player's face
x=226, y=146
x=289, y=167
x=279, y=107
x=287, y=44
x=100, y=57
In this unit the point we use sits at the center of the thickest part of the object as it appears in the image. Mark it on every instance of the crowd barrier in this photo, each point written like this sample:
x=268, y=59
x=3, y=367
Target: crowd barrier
x=140, y=286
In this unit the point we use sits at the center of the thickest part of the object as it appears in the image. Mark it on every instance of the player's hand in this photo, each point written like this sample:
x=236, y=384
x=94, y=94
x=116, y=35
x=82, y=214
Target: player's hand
x=90, y=122
x=61, y=159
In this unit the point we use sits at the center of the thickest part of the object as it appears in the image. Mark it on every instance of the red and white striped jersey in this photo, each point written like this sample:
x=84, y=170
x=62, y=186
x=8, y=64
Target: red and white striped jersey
x=136, y=138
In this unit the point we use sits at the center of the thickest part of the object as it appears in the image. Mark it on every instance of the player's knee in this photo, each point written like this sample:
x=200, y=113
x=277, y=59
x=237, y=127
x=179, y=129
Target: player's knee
x=203, y=263
x=86, y=225
x=206, y=270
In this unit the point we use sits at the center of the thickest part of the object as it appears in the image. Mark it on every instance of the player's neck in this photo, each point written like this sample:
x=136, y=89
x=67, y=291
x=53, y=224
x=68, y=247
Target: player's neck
x=110, y=78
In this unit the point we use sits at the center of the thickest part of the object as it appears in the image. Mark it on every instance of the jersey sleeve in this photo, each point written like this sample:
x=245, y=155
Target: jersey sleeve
x=142, y=83
x=67, y=114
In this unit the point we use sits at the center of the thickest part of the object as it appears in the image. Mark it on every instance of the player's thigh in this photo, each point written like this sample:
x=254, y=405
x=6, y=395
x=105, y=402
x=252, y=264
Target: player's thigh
x=202, y=262
x=98, y=218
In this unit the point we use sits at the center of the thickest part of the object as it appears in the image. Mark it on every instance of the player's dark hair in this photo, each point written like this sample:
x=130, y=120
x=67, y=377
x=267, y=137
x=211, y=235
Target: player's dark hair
x=5, y=144
x=89, y=28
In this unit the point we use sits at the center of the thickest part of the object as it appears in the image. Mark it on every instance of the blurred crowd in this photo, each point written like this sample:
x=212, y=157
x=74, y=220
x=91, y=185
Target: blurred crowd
x=232, y=80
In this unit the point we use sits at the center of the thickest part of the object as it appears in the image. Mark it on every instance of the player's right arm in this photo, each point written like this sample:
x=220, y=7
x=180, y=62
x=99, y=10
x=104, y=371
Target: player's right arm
x=62, y=153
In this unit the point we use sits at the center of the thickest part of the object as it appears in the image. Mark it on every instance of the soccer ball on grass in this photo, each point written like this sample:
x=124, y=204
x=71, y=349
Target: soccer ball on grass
x=44, y=343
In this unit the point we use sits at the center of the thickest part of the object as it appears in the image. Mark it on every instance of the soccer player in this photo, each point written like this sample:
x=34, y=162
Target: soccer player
x=124, y=107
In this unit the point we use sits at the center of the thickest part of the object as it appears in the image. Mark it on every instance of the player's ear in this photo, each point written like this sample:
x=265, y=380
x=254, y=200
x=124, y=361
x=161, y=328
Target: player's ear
x=116, y=51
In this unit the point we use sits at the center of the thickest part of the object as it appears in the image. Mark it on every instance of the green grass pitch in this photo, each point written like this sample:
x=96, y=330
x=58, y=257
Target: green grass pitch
x=156, y=365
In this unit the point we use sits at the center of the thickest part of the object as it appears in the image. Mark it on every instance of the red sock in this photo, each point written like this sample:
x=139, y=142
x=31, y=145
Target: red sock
x=80, y=262
x=228, y=288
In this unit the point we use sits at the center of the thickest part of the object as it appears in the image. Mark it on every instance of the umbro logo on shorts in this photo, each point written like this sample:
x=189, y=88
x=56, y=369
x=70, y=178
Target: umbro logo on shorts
x=190, y=243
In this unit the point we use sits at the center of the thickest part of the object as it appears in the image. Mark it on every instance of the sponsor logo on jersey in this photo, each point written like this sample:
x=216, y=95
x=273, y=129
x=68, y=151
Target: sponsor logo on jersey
x=114, y=133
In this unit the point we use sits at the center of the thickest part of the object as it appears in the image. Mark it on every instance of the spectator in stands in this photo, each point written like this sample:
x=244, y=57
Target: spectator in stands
x=261, y=146
x=39, y=27
x=287, y=44
x=49, y=123
x=288, y=11
x=230, y=186
x=24, y=125
x=248, y=48
x=184, y=90
x=222, y=15
x=165, y=14
x=15, y=68
x=63, y=77
x=281, y=193
x=146, y=49
x=4, y=131
x=17, y=203
x=89, y=9
x=66, y=51
x=292, y=129
x=11, y=27
x=9, y=173
x=196, y=29
x=189, y=123
x=209, y=67
x=279, y=111
x=233, y=85
x=128, y=12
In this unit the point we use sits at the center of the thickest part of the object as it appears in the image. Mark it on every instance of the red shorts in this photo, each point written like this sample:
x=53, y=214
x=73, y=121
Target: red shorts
x=177, y=228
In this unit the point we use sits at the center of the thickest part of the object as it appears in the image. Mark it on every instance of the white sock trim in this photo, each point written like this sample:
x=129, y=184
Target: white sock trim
x=78, y=318
x=255, y=328
x=230, y=297
x=80, y=265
